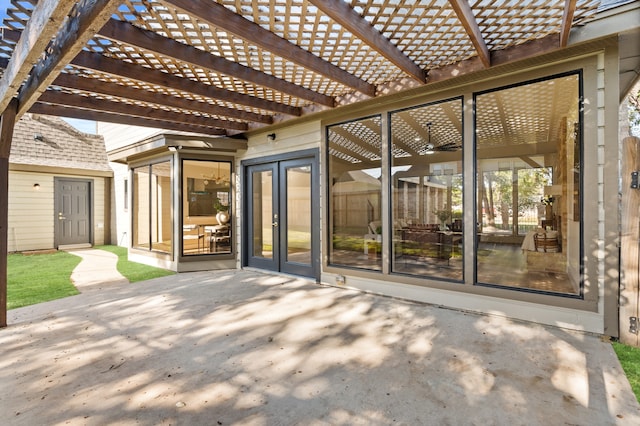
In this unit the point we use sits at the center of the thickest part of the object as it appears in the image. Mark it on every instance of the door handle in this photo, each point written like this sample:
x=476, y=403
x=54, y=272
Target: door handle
x=274, y=224
x=60, y=217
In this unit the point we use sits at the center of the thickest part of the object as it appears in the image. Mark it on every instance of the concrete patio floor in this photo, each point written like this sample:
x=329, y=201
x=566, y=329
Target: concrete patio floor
x=243, y=347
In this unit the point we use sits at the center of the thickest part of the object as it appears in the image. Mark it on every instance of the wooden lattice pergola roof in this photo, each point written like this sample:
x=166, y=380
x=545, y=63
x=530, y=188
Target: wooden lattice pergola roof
x=230, y=66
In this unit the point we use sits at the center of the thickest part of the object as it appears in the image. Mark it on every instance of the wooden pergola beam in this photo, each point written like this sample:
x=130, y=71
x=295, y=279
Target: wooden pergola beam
x=91, y=85
x=7, y=122
x=43, y=26
x=415, y=126
x=85, y=114
x=219, y=16
x=468, y=21
x=104, y=105
x=511, y=54
x=346, y=16
x=354, y=139
x=527, y=159
x=344, y=151
x=97, y=62
x=85, y=20
x=567, y=20
x=127, y=33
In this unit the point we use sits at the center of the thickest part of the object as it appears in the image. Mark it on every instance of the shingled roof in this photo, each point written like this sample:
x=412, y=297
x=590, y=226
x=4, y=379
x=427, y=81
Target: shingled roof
x=50, y=141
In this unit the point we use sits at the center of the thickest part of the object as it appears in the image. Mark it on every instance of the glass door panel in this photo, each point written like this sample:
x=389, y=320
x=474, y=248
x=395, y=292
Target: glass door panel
x=297, y=216
x=263, y=217
x=281, y=209
x=298, y=187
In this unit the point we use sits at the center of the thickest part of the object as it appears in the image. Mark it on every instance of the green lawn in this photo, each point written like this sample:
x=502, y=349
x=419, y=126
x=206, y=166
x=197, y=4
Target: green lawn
x=133, y=271
x=39, y=278
x=629, y=357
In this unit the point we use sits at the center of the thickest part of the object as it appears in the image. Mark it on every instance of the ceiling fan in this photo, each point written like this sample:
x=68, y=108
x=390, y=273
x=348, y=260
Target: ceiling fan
x=430, y=148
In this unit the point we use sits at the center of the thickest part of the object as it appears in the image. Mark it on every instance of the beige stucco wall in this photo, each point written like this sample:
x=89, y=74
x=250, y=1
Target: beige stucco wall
x=31, y=211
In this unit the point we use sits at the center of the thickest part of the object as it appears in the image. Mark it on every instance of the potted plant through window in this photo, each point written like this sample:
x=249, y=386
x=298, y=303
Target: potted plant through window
x=443, y=216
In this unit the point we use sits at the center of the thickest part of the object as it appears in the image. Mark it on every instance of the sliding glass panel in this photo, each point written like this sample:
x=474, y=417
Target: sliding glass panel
x=206, y=194
x=152, y=222
x=527, y=162
x=427, y=190
x=355, y=193
x=141, y=202
x=160, y=209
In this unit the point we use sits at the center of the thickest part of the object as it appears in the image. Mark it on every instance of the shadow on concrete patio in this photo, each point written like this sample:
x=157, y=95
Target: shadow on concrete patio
x=242, y=347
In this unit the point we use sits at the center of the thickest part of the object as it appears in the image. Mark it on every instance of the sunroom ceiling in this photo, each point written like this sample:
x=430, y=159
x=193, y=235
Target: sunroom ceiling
x=226, y=67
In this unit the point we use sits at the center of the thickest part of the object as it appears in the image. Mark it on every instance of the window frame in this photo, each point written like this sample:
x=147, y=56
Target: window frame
x=134, y=194
x=580, y=295
x=180, y=189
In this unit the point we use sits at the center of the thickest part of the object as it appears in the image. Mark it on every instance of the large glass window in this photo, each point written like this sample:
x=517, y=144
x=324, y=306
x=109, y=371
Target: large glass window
x=427, y=190
x=528, y=191
x=355, y=193
x=206, y=196
x=152, y=207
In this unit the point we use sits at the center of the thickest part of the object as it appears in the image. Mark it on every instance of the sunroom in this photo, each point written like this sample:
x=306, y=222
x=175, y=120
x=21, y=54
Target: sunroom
x=180, y=192
x=474, y=192
x=525, y=222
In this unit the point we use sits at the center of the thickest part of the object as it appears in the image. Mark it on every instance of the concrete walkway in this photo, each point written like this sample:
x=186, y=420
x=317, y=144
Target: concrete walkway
x=97, y=268
x=243, y=347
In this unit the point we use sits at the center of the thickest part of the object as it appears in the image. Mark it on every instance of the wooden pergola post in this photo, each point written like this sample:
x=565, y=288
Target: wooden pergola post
x=7, y=123
x=630, y=243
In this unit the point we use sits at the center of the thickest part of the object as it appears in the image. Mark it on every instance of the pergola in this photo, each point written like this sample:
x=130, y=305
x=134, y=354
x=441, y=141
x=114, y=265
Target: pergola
x=227, y=68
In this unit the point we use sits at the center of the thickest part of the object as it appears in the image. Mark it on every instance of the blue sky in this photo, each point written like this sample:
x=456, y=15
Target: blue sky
x=82, y=125
x=3, y=7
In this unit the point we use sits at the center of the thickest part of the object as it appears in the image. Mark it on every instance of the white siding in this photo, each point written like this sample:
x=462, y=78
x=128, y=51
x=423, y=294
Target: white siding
x=290, y=139
x=120, y=218
x=31, y=211
x=120, y=135
x=98, y=210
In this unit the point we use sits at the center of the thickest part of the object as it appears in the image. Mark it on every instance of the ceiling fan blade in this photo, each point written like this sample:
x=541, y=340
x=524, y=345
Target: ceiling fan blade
x=449, y=146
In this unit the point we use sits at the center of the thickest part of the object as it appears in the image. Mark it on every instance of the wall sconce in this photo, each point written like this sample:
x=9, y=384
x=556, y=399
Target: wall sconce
x=38, y=137
x=271, y=137
x=36, y=187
